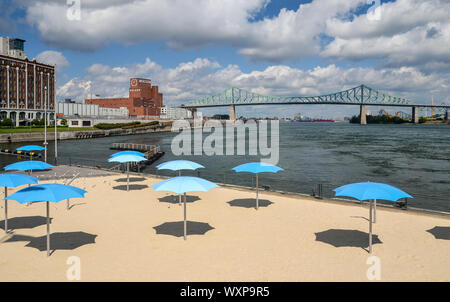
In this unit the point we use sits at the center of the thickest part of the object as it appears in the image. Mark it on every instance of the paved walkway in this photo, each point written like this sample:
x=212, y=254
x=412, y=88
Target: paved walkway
x=63, y=171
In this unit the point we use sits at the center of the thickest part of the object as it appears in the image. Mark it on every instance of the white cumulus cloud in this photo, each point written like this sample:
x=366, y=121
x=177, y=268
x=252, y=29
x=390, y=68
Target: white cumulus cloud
x=202, y=77
x=52, y=57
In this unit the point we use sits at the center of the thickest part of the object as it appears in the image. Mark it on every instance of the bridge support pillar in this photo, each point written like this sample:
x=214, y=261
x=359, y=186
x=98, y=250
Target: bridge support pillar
x=415, y=115
x=362, y=114
x=194, y=113
x=232, y=113
x=446, y=115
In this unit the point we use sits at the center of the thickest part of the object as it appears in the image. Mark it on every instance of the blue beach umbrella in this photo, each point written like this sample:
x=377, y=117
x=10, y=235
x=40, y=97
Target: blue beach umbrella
x=47, y=193
x=182, y=185
x=255, y=168
x=371, y=191
x=128, y=152
x=13, y=180
x=178, y=165
x=31, y=148
x=28, y=165
x=127, y=158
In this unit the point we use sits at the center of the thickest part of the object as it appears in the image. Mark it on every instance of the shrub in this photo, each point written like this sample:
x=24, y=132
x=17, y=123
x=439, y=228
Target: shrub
x=37, y=122
x=7, y=122
x=131, y=125
x=379, y=119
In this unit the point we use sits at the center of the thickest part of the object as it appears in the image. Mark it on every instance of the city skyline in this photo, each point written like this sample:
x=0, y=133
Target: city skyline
x=324, y=47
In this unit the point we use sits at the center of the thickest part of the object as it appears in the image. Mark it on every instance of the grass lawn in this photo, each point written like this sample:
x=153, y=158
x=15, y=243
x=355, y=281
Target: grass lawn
x=49, y=129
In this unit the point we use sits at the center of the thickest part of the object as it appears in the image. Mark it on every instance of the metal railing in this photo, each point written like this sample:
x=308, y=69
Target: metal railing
x=135, y=147
x=317, y=190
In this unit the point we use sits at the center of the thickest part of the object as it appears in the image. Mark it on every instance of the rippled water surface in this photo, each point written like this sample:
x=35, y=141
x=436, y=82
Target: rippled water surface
x=415, y=158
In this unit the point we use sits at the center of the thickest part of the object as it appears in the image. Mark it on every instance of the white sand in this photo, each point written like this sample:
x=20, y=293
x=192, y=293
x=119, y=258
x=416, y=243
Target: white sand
x=275, y=243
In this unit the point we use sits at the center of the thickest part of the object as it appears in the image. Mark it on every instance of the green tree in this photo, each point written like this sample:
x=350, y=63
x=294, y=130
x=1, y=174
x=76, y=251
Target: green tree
x=7, y=122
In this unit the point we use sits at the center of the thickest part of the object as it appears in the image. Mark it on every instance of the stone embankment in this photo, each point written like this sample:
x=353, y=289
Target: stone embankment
x=39, y=136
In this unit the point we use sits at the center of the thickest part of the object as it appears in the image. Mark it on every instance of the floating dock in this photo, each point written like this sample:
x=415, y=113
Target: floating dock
x=27, y=154
x=152, y=153
x=134, y=147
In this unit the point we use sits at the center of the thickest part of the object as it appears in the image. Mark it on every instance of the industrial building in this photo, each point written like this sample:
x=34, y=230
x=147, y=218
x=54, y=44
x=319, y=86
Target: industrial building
x=144, y=100
x=173, y=113
x=69, y=109
x=27, y=88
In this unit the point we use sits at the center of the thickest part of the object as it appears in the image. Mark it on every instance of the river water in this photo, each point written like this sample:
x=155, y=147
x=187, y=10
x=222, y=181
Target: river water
x=415, y=158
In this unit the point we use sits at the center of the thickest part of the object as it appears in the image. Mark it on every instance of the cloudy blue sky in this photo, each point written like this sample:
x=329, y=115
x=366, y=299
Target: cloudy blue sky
x=194, y=48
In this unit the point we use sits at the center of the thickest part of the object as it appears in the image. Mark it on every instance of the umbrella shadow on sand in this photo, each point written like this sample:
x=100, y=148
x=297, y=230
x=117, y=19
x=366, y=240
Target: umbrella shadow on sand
x=440, y=232
x=174, y=199
x=346, y=238
x=26, y=222
x=249, y=203
x=177, y=228
x=131, y=179
x=58, y=241
x=132, y=187
x=360, y=217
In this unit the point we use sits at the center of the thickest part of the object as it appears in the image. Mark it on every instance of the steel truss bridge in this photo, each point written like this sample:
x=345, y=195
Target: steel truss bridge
x=361, y=95
x=354, y=96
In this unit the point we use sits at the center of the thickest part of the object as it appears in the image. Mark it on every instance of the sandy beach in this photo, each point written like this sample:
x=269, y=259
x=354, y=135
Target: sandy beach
x=276, y=243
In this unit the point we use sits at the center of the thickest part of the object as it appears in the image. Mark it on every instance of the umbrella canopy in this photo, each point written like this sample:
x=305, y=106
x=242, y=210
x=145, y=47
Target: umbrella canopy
x=176, y=165
x=47, y=193
x=14, y=180
x=183, y=184
x=257, y=167
x=128, y=152
x=371, y=190
x=28, y=165
x=30, y=148
x=127, y=158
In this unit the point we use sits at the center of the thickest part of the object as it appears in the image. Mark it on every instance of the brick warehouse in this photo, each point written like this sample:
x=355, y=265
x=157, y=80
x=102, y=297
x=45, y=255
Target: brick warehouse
x=27, y=87
x=144, y=99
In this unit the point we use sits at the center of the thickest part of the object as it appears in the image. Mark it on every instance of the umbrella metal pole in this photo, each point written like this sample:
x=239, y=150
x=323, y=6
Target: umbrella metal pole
x=6, y=210
x=370, y=227
x=68, y=204
x=128, y=177
x=179, y=203
x=184, y=215
x=374, y=211
x=257, y=201
x=48, y=229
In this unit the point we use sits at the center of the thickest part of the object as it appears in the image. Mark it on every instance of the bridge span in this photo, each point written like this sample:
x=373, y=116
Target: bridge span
x=359, y=96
